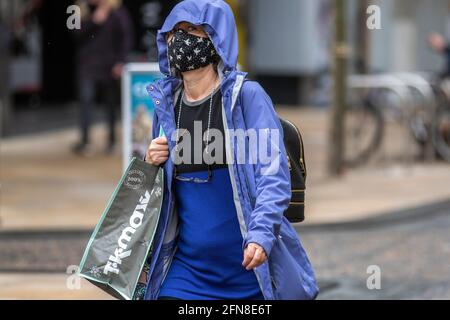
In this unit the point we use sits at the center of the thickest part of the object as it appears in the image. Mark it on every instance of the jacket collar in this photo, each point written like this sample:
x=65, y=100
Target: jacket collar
x=166, y=90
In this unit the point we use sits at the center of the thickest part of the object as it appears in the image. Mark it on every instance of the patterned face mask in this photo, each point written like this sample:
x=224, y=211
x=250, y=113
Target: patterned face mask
x=189, y=52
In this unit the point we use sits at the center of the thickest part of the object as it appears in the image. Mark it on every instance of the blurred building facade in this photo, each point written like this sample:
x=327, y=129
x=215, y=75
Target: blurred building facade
x=290, y=41
x=401, y=43
x=284, y=44
x=38, y=59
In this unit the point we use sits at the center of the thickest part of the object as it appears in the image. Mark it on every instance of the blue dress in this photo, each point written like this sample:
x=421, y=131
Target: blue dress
x=207, y=263
x=208, y=260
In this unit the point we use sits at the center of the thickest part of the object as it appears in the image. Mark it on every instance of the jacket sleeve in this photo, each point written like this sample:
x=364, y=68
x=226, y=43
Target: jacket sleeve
x=272, y=178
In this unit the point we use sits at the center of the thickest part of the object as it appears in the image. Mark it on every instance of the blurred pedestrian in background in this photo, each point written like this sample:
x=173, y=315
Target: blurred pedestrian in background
x=103, y=43
x=438, y=43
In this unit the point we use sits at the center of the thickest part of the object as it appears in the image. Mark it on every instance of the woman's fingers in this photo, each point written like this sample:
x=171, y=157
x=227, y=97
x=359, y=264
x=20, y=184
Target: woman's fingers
x=159, y=144
x=248, y=255
x=160, y=141
x=258, y=259
x=254, y=256
x=158, y=151
x=159, y=158
x=161, y=154
x=159, y=147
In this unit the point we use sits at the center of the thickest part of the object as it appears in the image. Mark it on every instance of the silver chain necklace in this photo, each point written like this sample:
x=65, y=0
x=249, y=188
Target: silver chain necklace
x=209, y=119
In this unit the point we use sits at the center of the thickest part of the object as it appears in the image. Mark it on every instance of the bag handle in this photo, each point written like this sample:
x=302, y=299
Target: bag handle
x=161, y=132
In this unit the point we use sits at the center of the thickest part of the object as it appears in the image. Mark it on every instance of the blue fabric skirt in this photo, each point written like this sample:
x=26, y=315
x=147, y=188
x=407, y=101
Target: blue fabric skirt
x=208, y=262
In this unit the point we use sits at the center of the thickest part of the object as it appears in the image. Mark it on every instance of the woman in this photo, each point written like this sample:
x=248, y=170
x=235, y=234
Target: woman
x=103, y=43
x=221, y=234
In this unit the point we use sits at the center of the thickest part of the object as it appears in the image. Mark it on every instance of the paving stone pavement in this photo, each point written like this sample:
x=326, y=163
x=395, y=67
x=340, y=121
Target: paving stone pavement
x=412, y=254
x=44, y=186
x=50, y=200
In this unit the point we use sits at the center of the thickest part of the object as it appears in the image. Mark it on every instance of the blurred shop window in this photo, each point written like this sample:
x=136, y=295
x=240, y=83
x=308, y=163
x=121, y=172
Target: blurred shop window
x=26, y=53
x=148, y=17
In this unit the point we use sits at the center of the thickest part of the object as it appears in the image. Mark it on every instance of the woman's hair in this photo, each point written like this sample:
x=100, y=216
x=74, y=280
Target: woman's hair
x=83, y=4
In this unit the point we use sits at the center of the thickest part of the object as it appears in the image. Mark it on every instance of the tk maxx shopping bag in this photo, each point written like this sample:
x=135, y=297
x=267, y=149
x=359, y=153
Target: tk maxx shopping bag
x=121, y=241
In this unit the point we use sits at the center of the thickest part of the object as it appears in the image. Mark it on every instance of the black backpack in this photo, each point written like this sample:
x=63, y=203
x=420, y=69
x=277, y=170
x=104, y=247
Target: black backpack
x=295, y=153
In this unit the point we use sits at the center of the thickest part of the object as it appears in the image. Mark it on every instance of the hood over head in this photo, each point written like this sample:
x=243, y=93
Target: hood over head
x=217, y=19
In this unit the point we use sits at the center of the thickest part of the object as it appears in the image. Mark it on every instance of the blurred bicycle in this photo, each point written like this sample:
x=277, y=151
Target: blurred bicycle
x=364, y=130
x=406, y=98
x=440, y=128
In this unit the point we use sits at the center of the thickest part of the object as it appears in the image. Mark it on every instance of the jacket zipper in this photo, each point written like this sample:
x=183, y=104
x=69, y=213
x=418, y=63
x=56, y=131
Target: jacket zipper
x=172, y=208
x=241, y=219
x=252, y=199
x=150, y=275
x=273, y=283
x=167, y=269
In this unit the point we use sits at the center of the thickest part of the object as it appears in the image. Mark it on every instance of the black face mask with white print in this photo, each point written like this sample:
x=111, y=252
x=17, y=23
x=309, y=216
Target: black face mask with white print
x=189, y=52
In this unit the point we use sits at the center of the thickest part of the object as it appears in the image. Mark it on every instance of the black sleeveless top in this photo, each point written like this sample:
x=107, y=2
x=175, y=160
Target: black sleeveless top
x=195, y=115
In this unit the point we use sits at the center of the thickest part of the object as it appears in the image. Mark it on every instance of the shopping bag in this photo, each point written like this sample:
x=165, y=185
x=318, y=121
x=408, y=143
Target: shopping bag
x=122, y=240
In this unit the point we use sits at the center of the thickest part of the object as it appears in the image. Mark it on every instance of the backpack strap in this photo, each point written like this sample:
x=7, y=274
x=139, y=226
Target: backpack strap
x=241, y=100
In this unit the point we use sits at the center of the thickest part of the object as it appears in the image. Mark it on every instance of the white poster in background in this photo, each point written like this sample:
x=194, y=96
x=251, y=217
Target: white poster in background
x=137, y=109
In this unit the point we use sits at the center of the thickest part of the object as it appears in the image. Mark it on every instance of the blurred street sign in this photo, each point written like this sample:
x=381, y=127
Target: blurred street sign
x=137, y=109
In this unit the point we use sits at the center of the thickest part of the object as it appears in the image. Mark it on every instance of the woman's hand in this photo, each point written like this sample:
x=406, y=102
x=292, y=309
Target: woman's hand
x=254, y=256
x=158, y=151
